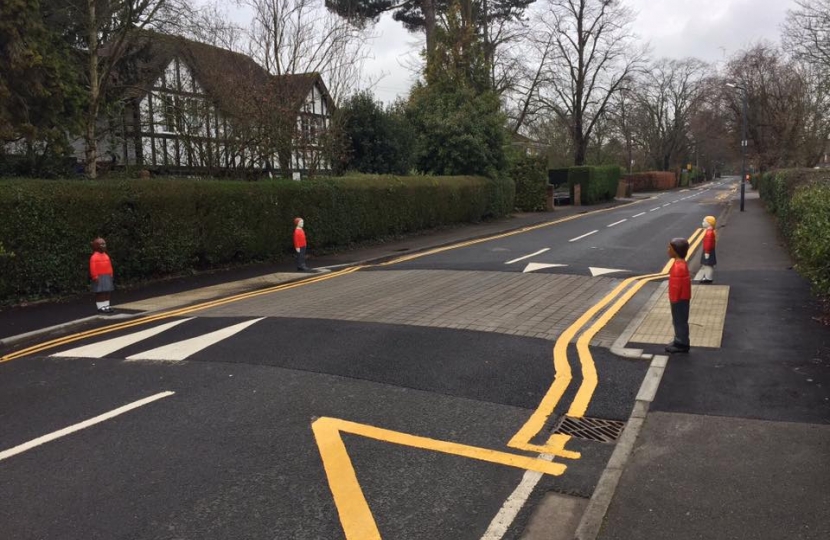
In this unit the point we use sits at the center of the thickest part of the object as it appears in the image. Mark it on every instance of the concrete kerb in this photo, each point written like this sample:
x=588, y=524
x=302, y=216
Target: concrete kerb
x=63, y=327
x=594, y=515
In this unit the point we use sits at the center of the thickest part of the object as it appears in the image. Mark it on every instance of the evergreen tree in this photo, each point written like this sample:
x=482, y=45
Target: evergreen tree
x=41, y=98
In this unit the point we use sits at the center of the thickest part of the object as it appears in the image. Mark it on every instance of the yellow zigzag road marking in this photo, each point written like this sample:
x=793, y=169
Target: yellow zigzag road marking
x=355, y=515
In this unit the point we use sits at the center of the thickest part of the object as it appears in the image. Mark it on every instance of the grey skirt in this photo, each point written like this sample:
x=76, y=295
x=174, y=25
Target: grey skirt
x=103, y=284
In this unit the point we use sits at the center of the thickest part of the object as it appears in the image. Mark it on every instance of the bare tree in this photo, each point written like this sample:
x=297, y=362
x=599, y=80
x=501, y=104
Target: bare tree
x=667, y=97
x=594, y=55
x=806, y=32
x=300, y=36
x=107, y=25
x=786, y=105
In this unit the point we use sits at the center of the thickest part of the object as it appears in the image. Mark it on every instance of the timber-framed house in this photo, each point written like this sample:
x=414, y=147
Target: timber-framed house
x=194, y=108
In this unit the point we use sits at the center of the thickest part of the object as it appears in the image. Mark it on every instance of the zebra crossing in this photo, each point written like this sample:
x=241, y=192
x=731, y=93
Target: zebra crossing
x=171, y=352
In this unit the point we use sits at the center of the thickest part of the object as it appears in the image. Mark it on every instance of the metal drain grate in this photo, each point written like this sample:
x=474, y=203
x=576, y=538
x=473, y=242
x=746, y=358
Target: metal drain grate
x=592, y=429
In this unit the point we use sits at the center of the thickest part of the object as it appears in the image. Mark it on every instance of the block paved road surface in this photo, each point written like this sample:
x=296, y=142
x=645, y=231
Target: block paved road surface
x=453, y=346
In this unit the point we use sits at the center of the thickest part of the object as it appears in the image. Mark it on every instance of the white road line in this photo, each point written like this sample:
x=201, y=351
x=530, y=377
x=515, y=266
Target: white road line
x=683, y=190
x=528, y=256
x=678, y=200
x=583, y=236
x=99, y=350
x=665, y=205
x=638, y=215
x=77, y=427
x=654, y=209
x=513, y=505
x=182, y=349
x=618, y=222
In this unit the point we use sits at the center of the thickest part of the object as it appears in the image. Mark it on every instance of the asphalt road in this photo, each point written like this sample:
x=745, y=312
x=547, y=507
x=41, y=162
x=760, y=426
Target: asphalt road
x=230, y=453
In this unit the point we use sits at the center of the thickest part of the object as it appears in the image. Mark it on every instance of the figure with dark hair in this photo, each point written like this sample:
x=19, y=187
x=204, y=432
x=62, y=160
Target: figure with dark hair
x=100, y=270
x=680, y=295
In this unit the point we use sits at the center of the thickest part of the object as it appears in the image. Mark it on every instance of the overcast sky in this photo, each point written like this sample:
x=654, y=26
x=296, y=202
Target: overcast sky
x=711, y=30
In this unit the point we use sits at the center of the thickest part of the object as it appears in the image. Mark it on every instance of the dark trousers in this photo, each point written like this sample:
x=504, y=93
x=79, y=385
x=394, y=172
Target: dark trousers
x=301, y=259
x=680, y=319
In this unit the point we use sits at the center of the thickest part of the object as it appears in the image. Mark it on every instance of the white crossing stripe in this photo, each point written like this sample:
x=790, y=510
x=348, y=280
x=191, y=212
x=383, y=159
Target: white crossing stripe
x=182, y=349
x=19, y=449
x=103, y=348
x=528, y=256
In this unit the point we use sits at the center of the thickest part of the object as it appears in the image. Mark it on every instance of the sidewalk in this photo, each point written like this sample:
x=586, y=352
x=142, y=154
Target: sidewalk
x=736, y=444
x=181, y=291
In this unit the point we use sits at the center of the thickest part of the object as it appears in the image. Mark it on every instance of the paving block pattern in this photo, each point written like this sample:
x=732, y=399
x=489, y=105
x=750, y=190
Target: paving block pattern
x=706, y=318
x=533, y=305
x=171, y=301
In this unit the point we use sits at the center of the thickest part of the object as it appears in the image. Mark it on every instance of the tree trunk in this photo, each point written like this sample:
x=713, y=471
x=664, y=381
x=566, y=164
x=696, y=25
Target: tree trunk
x=580, y=144
x=428, y=8
x=91, y=153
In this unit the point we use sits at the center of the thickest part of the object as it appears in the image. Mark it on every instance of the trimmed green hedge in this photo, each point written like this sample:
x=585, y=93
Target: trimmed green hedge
x=529, y=173
x=598, y=184
x=800, y=199
x=161, y=227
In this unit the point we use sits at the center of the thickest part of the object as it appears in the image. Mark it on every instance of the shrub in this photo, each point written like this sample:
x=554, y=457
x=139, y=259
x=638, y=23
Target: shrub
x=800, y=199
x=597, y=184
x=160, y=227
x=379, y=141
x=531, y=183
x=459, y=131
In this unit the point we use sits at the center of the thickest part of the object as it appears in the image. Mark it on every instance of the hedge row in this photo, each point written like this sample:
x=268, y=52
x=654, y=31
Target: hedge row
x=597, y=184
x=529, y=174
x=800, y=199
x=161, y=227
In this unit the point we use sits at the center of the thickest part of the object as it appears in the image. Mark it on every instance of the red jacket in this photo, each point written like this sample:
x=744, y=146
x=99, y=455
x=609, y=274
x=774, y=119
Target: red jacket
x=709, y=241
x=99, y=264
x=680, y=282
x=299, y=238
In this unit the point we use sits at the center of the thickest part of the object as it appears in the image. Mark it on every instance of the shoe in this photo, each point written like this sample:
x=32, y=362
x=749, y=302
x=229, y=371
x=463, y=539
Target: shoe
x=674, y=348
x=705, y=282
x=106, y=310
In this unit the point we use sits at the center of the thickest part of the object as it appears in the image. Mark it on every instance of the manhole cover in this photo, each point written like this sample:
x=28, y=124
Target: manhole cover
x=592, y=429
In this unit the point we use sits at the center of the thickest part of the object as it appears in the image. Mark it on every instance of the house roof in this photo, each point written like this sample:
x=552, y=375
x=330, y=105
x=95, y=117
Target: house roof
x=233, y=79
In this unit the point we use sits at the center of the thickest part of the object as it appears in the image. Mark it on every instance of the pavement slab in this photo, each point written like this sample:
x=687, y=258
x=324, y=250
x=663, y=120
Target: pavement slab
x=703, y=477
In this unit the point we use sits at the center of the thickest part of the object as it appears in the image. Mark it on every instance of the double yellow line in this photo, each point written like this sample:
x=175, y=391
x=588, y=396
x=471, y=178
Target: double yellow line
x=562, y=368
x=175, y=313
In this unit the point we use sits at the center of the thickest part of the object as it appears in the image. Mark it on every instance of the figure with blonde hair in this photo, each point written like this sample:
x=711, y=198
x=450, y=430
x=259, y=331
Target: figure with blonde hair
x=708, y=258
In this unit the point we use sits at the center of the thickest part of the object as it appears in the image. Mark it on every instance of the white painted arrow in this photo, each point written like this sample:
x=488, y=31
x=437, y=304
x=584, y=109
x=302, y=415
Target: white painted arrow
x=602, y=271
x=532, y=267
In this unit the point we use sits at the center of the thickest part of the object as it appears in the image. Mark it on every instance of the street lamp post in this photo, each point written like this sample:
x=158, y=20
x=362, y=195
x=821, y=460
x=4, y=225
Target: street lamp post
x=744, y=142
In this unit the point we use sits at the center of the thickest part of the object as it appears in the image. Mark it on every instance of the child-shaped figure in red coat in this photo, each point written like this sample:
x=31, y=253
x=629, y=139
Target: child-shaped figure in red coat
x=300, y=244
x=680, y=295
x=709, y=258
x=100, y=270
